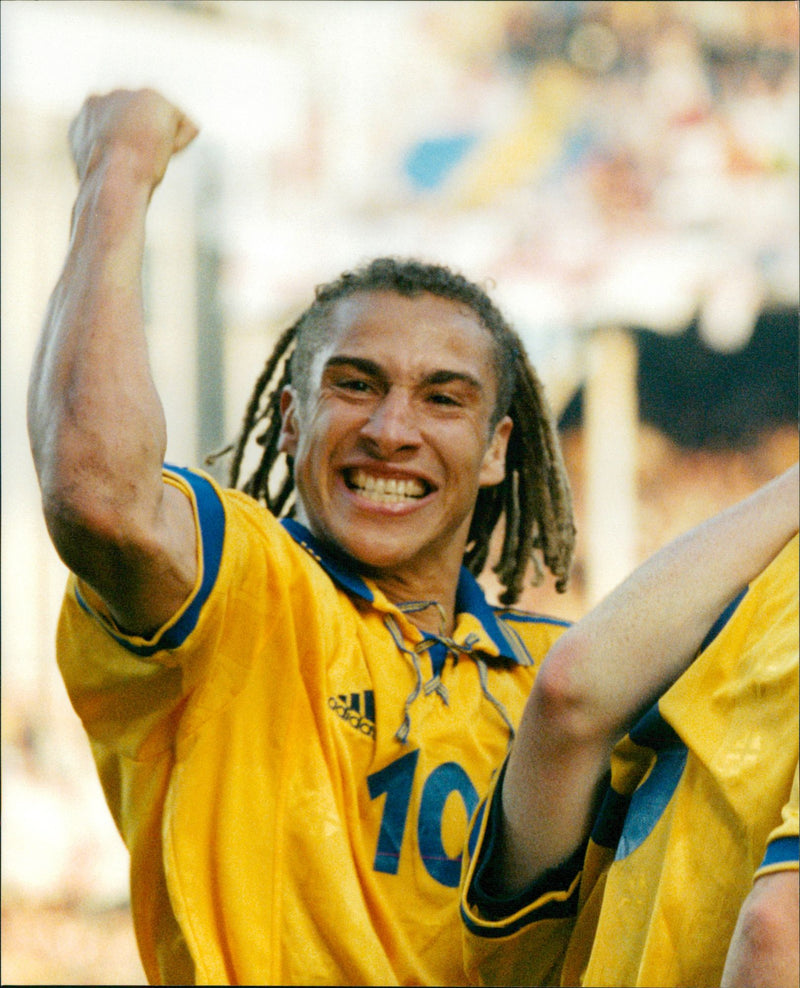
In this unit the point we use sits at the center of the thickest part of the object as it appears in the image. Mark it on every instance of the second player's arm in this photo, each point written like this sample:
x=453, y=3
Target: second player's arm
x=95, y=420
x=616, y=661
x=763, y=952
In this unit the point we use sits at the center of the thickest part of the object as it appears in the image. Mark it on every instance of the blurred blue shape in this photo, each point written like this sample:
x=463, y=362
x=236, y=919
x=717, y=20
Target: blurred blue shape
x=429, y=162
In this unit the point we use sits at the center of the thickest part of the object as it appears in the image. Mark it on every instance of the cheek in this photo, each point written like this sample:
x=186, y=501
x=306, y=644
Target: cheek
x=307, y=466
x=315, y=447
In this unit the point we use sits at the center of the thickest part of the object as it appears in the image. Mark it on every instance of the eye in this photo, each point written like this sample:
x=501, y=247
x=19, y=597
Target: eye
x=355, y=385
x=442, y=398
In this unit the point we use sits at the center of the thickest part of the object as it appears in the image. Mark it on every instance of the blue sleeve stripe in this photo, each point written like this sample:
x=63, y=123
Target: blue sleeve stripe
x=211, y=516
x=783, y=850
x=563, y=906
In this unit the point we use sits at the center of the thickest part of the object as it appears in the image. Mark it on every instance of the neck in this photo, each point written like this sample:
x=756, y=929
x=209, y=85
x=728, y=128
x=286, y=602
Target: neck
x=437, y=602
x=431, y=582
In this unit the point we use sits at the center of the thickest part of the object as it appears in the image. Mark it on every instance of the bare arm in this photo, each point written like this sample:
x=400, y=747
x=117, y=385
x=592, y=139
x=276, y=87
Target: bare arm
x=764, y=949
x=96, y=424
x=614, y=663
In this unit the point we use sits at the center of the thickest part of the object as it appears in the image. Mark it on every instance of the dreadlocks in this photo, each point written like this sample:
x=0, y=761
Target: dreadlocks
x=534, y=498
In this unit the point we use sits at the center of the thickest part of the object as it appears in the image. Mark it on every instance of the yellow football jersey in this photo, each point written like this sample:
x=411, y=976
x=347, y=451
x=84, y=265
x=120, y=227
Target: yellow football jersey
x=703, y=796
x=291, y=763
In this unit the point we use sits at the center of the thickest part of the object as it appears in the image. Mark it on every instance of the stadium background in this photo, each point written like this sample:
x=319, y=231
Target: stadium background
x=625, y=174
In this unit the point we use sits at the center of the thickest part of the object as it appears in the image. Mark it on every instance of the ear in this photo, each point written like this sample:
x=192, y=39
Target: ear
x=290, y=433
x=493, y=467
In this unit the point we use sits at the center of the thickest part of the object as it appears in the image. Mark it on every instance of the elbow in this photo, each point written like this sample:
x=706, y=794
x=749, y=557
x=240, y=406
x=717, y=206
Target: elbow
x=76, y=526
x=563, y=692
x=765, y=940
x=764, y=929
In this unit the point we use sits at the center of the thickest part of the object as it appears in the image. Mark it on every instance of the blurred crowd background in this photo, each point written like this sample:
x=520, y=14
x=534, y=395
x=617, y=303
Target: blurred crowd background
x=623, y=175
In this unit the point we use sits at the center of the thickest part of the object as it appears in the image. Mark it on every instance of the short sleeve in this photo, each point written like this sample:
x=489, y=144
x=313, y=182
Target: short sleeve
x=520, y=939
x=782, y=845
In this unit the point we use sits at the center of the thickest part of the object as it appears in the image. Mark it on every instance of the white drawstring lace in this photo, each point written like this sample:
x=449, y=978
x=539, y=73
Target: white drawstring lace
x=435, y=684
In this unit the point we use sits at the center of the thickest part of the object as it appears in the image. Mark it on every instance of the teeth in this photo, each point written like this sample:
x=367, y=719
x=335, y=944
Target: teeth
x=387, y=490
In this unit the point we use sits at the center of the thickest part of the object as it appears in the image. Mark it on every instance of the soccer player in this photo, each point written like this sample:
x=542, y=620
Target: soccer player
x=679, y=867
x=294, y=720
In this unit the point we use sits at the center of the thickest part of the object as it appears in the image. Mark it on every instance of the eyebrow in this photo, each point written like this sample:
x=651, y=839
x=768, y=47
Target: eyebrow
x=375, y=370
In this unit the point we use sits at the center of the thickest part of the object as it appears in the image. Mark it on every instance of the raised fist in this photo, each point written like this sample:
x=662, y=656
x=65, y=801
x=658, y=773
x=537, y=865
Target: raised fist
x=141, y=125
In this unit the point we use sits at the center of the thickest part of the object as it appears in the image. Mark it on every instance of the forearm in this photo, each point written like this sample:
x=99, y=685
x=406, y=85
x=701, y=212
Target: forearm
x=639, y=639
x=96, y=424
x=549, y=794
x=616, y=661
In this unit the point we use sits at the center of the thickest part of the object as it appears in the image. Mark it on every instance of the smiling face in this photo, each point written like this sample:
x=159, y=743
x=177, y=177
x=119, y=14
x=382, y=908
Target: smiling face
x=394, y=439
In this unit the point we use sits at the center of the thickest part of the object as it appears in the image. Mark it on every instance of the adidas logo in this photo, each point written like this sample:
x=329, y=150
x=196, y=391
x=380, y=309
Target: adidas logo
x=356, y=709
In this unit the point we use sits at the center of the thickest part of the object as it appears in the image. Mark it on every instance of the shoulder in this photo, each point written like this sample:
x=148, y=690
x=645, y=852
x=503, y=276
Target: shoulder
x=229, y=521
x=247, y=563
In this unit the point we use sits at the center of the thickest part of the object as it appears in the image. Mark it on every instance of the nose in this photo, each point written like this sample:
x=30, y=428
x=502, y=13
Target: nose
x=392, y=425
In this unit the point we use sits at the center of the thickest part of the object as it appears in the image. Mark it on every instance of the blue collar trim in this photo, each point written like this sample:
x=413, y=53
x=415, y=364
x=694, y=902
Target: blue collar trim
x=471, y=599
x=469, y=595
x=336, y=567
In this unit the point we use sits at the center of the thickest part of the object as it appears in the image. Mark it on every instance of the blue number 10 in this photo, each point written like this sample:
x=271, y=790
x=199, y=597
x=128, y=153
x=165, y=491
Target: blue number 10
x=396, y=781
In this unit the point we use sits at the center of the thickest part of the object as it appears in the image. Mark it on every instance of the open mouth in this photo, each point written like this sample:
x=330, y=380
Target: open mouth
x=386, y=490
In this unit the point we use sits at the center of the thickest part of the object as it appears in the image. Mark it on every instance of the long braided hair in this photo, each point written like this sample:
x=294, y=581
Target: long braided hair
x=534, y=499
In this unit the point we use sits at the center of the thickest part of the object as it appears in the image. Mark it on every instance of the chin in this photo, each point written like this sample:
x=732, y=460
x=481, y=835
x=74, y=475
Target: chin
x=372, y=559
